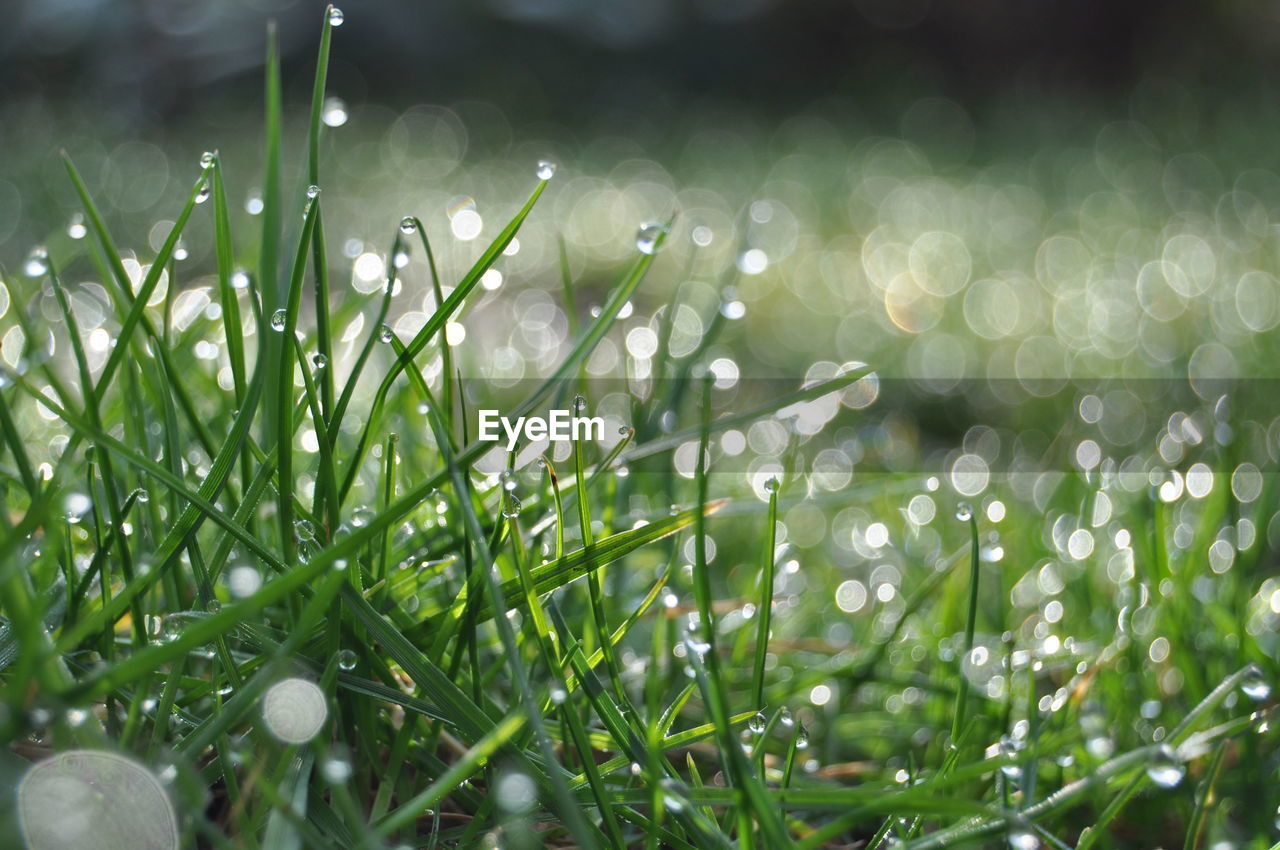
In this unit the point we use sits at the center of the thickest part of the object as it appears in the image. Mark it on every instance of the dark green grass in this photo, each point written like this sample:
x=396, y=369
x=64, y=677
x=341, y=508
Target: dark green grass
x=558, y=671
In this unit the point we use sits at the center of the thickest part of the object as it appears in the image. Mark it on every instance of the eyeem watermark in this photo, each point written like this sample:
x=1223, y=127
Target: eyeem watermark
x=561, y=425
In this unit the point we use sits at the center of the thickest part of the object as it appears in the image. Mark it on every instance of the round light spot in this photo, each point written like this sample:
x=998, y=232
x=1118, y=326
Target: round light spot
x=294, y=710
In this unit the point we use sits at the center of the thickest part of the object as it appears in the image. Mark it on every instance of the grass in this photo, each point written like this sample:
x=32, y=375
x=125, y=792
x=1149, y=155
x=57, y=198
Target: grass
x=572, y=665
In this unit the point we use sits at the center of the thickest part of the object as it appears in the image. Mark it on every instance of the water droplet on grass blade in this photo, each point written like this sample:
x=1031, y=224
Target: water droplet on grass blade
x=385, y=333
x=76, y=228
x=1023, y=839
x=802, y=737
x=335, y=16
x=90, y=798
x=546, y=169
x=1255, y=685
x=278, y=320
x=649, y=237
x=313, y=191
x=756, y=724
x=1164, y=768
x=202, y=194
x=964, y=511
x=511, y=507
x=294, y=710
x=334, y=112
x=408, y=225
x=336, y=771
x=207, y=158
x=37, y=262
x=319, y=361
x=785, y=717
x=771, y=485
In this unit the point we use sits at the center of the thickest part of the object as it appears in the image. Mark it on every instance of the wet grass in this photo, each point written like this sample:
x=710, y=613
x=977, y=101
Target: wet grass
x=548, y=654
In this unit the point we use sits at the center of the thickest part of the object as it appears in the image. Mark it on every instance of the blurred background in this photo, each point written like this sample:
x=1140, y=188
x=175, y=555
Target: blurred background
x=985, y=199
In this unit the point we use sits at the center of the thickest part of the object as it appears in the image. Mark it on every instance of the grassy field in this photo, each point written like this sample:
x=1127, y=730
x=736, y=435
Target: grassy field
x=262, y=586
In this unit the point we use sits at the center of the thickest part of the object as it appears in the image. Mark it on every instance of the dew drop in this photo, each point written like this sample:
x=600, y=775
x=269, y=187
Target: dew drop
x=37, y=263
x=1008, y=748
x=802, y=737
x=546, y=169
x=1023, y=839
x=675, y=794
x=964, y=511
x=202, y=194
x=141, y=495
x=207, y=158
x=294, y=710
x=385, y=334
x=76, y=228
x=649, y=237
x=92, y=798
x=756, y=724
x=579, y=404
x=278, y=320
x=1164, y=768
x=334, y=112
x=336, y=771
x=408, y=225
x=335, y=16
x=319, y=361
x=511, y=507
x=313, y=191
x=772, y=485
x=785, y=717
x=1255, y=685
x=346, y=659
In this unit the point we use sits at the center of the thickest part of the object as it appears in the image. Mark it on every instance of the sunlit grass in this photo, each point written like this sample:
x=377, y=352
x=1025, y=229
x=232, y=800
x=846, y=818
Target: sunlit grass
x=251, y=543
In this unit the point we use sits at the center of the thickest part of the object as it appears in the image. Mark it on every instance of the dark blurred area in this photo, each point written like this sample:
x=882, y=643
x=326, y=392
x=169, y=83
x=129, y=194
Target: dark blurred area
x=567, y=60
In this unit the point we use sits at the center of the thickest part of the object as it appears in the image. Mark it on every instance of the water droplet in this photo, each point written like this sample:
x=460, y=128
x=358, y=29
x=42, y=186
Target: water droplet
x=579, y=404
x=305, y=530
x=336, y=771
x=964, y=511
x=1255, y=684
x=675, y=794
x=1023, y=839
x=385, y=333
x=1008, y=748
x=319, y=361
x=76, y=506
x=511, y=507
x=785, y=717
x=202, y=194
x=207, y=158
x=335, y=16
x=546, y=169
x=278, y=320
x=772, y=485
x=76, y=228
x=313, y=191
x=559, y=696
x=346, y=659
x=649, y=237
x=756, y=724
x=408, y=225
x=37, y=263
x=140, y=494
x=294, y=710
x=75, y=798
x=802, y=737
x=334, y=112
x=1164, y=768
x=243, y=580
